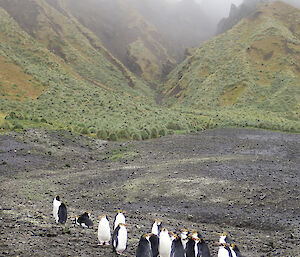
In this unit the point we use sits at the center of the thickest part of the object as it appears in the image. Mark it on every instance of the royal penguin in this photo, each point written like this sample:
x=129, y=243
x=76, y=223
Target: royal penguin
x=165, y=243
x=104, y=234
x=191, y=247
x=203, y=250
x=156, y=227
x=225, y=249
x=119, y=239
x=154, y=241
x=177, y=249
x=144, y=247
x=119, y=218
x=184, y=237
x=236, y=250
x=84, y=220
x=59, y=211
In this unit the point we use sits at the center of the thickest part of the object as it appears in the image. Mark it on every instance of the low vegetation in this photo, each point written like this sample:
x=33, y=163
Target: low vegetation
x=72, y=82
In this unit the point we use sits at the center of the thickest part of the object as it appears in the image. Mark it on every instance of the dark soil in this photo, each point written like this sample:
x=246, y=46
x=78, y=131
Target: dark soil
x=239, y=181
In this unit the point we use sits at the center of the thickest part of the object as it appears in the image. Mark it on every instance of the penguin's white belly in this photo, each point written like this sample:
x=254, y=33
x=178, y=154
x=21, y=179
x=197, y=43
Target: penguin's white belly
x=196, y=249
x=165, y=247
x=232, y=252
x=122, y=240
x=120, y=219
x=104, y=231
x=56, y=205
x=223, y=252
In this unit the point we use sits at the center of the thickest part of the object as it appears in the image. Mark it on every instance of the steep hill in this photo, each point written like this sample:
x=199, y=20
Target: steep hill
x=149, y=37
x=251, y=74
x=124, y=32
x=56, y=74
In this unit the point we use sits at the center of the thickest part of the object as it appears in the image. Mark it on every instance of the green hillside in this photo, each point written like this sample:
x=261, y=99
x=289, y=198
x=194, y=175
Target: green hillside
x=79, y=87
x=125, y=33
x=248, y=76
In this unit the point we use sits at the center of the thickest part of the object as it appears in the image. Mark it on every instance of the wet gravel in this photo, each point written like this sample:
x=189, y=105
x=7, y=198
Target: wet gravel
x=240, y=181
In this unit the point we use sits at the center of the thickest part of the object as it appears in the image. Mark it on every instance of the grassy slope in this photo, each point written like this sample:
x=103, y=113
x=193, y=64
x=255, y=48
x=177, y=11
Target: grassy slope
x=248, y=76
x=124, y=31
x=109, y=105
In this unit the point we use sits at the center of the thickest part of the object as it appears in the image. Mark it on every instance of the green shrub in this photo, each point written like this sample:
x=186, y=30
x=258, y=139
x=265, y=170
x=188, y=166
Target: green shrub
x=162, y=132
x=18, y=126
x=123, y=134
x=136, y=136
x=113, y=137
x=102, y=134
x=5, y=125
x=154, y=133
x=173, y=126
x=144, y=135
x=84, y=131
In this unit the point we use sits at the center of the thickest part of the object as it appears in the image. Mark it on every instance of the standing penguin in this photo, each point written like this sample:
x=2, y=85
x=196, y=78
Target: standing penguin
x=177, y=249
x=184, y=237
x=154, y=241
x=225, y=249
x=236, y=250
x=119, y=240
x=119, y=218
x=191, y=247
x=144, y=247
x=84, y=220
x=165, y=243
x=203, y=250
x=59, y=211
x=156, y=227
x=104, y=231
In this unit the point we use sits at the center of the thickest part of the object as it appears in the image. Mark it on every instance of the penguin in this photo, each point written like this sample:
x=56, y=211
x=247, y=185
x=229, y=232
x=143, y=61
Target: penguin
x=177, y=249
x=103, y=231
x=144, y=247
x=59, y=211
x=184, y=237
x=154, y=241
x=156, y=227
x=236, y=250
x=203, y=249
x=225, y=249
x=119, y=239
x=165, y=243
x=191, y=247
x=119, y=218
x=84, y=220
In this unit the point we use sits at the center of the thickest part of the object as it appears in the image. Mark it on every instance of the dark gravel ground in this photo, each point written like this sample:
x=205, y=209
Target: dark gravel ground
x=243, y=182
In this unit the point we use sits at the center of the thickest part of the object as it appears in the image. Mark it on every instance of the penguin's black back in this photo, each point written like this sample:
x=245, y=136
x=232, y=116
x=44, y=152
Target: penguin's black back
x=237, y=251
x=177, y=248
x=203, y=249
x=85, y=219
x=114, y=241
x=62, y=213
x=154, y=240
x=190, y=248
x=144, y=248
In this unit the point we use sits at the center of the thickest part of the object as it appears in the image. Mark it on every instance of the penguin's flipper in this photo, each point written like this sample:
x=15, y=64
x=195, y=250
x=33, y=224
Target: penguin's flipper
x=115, y=238
x=62, y=213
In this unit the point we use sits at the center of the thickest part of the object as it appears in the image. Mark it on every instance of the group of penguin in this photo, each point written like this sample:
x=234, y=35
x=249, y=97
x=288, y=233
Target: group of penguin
x=160, y=242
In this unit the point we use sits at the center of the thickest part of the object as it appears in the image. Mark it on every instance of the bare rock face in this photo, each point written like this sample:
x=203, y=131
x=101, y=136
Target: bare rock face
x=237, y=13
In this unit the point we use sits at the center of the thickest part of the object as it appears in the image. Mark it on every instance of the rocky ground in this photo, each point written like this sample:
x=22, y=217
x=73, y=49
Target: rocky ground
x=239, y=181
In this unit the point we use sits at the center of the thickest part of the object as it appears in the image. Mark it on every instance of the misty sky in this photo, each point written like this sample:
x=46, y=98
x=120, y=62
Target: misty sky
x=217, y=8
